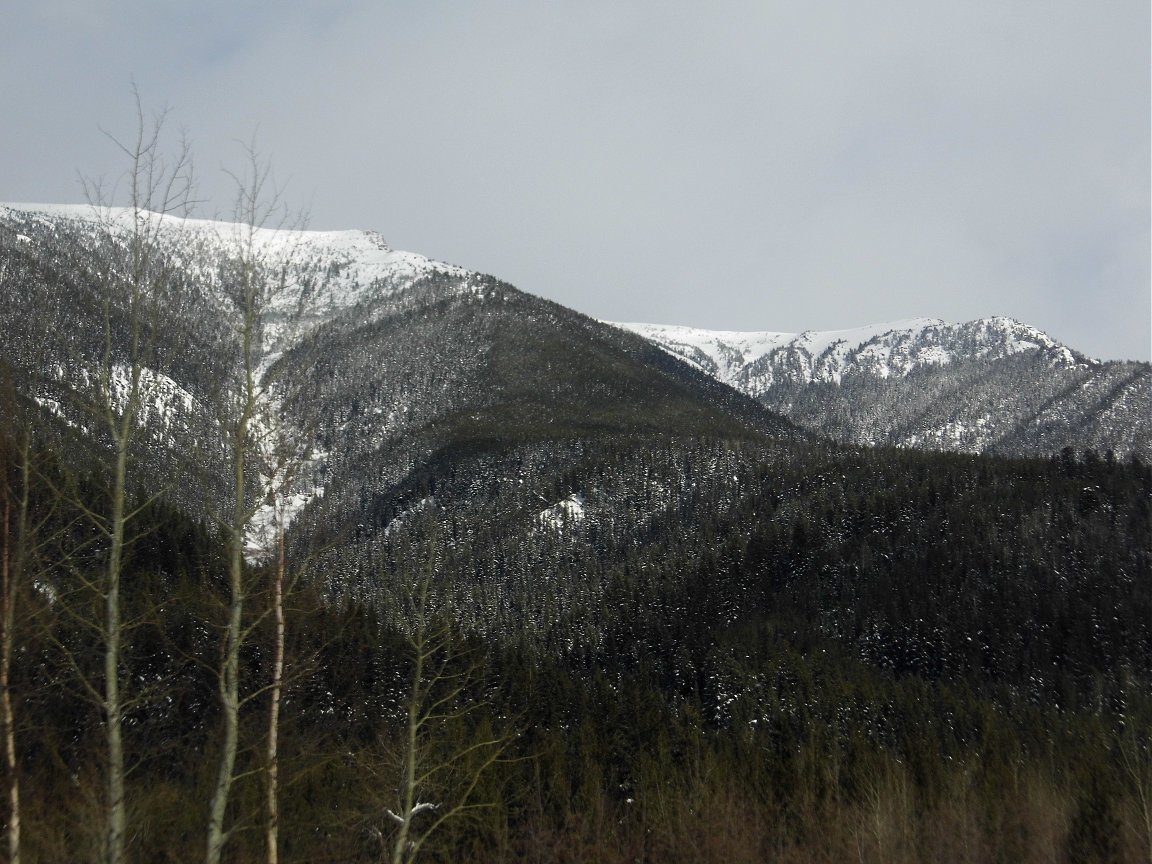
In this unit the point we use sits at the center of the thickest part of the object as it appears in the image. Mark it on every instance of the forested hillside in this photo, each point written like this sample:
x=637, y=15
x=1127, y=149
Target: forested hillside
x=993, y=385
x=821, y=653
x=526, y=587
x=1015, y=406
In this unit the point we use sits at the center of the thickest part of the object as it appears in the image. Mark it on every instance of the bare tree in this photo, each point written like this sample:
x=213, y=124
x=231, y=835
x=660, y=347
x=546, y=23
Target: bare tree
x=158, y=186
x=13, y=459
x=272, y=787
x=440, y=767
x=259, y=441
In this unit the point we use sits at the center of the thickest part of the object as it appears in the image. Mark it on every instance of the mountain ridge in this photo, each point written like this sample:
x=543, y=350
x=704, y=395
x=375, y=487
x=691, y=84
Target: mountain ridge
x=753, y=361
x=989, y=385
x=385, y=360
x=992, y=385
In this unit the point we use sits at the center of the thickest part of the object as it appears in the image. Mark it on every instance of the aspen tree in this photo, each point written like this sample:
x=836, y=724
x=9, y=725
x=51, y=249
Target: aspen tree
x=436, y=786
x=159, y=186
x=256, y=440
x=13, y=459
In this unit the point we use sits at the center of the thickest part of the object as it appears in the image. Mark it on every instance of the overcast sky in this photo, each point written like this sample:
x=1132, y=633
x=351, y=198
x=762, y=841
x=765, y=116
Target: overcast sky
x=752, y=165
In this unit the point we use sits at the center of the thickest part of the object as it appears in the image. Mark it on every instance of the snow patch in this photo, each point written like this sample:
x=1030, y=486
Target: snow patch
x=570, y=511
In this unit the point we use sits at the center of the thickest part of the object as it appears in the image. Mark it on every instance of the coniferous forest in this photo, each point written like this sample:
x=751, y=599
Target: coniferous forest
x=309, y=562
x=779, y=669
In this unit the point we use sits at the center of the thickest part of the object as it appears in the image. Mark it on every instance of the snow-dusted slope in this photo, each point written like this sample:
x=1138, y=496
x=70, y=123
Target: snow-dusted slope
x=756, y=361
x=323, y=272
x=993, y=385
x=308, y=278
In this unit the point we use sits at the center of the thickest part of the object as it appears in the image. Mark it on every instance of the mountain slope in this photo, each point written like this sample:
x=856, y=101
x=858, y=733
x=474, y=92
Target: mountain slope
x=382, y=359
x=992, y=385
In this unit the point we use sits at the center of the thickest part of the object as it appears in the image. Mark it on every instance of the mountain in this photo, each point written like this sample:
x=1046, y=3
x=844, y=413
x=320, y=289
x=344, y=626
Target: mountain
x=638, y=614
x=383, y=360
x=435, y=405
x=993, y=385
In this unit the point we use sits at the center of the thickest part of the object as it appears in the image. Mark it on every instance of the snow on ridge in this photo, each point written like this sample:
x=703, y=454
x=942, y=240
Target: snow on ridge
x=361, y=256
x=729, y=354
x=753, y=361
x=325, y=272
x=755, y=344
x=365, y=248
x=71, y=211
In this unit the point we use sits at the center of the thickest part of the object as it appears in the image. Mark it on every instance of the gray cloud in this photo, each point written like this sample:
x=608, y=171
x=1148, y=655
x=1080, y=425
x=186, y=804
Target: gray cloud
x=736, y=165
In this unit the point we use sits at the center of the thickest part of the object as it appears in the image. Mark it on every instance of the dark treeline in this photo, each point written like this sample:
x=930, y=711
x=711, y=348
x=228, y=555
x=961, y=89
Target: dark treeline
x=1034, y=575
x=824, y=656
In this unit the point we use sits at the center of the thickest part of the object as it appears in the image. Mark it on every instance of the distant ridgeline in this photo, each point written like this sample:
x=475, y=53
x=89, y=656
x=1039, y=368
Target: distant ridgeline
x=989, y=386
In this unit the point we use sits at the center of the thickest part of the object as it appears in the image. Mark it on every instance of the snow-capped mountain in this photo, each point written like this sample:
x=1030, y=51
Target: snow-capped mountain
x=381, y=359
x=556, y=530
x=756, y=361
x=991, y=385
x=380, y=351
x=546, y=458
x=323, y=273
x=311, y=278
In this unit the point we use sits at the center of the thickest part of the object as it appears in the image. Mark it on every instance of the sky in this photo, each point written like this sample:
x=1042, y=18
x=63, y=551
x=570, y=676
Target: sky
x=735, y=165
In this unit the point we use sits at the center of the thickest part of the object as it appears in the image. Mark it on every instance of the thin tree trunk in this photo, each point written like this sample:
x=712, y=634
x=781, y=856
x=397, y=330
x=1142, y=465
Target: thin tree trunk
x=230, y=671
x=6, y=693
x=273, y=828
x=234, y=634
x=113, y=709
x=7, y=620
x=411, y=756
x=255, y=292
x=122, y=430
x=156, y=186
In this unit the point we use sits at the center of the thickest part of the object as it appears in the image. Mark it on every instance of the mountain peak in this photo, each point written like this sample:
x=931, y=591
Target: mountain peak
x=754, y=361
x=332, y=270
